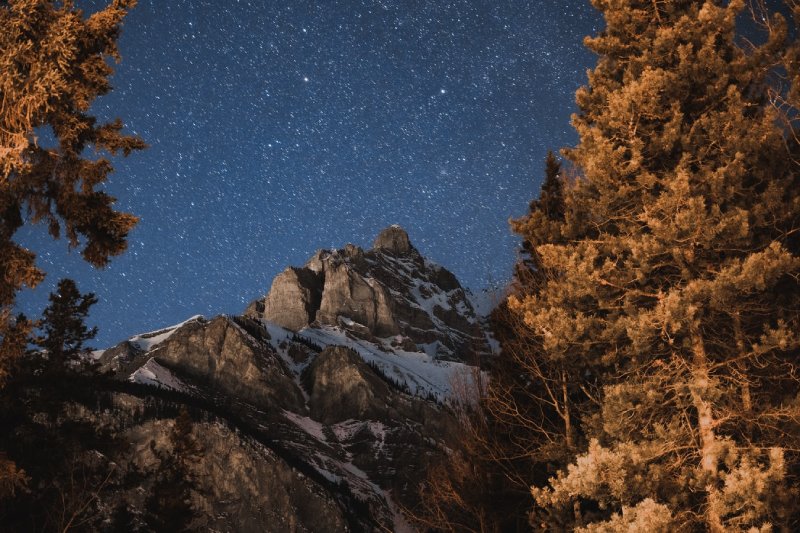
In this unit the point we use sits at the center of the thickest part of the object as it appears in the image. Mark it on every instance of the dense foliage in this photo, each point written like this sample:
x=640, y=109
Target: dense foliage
x=674, y=277
x=651, y=345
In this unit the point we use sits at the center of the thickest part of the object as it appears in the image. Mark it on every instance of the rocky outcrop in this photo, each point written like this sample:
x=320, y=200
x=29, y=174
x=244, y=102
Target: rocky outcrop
x=294, y=299
x=244, y=486
x=394, y=240
x=347, y=293
x=389, y=435
x=391, y=290
x=343, y=387
x=222, y=355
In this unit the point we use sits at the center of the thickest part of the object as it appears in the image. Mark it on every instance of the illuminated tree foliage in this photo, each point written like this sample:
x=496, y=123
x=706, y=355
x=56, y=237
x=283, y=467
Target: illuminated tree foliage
x=53, y=63
x=674, y=275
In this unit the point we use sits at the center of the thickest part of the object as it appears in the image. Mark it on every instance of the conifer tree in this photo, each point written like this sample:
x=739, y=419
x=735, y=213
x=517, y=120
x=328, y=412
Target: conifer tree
x=675, y=275
x=53, y=64
x=550, y=206
x=63, y=325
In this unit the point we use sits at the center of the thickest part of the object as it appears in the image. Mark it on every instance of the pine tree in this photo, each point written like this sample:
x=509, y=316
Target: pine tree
x=675, y=275
x=549, y=206
x=53, y=64
x=63, y=325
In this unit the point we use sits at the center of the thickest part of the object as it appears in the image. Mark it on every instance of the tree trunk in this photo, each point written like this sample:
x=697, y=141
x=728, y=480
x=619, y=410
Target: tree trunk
x=705, y=426
x=738, y=335
x=566, y=413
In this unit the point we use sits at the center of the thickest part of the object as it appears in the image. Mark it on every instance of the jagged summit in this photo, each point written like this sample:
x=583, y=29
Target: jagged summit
x=393, y=239
x=389, y=293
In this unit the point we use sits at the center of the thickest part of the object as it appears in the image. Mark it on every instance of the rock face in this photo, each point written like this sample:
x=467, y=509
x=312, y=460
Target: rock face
x=242, y=482
x=343, y=388
x=246, y=486
x=222, y=355
x=294, y=298
x=391, y=290
x=348, y=294
x=393, y=239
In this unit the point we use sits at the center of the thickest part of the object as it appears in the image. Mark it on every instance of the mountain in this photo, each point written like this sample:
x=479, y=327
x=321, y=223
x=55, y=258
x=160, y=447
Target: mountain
x=318, y=409
x=390, y=292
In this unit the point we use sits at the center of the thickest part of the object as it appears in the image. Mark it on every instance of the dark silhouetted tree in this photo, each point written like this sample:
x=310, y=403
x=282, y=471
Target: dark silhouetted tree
x=63, y=325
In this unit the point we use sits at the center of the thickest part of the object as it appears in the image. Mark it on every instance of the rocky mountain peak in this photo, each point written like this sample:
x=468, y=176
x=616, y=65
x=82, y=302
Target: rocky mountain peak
x=393, y=239
x=389, y=294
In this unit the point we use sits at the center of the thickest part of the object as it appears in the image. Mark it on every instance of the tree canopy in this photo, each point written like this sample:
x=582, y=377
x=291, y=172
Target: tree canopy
x=54, y=62
x=675, y=274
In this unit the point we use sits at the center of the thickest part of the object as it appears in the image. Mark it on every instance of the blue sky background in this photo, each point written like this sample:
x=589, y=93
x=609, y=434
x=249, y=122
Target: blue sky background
x=277, y=128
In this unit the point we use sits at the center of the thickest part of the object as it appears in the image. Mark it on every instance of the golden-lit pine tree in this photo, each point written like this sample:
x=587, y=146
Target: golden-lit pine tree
x=53, y=64
x=676, y=272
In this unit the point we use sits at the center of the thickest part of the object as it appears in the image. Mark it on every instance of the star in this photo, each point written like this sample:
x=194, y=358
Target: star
x=246, y=174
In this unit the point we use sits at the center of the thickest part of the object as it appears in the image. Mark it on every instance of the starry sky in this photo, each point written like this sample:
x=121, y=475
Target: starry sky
x=278, y=128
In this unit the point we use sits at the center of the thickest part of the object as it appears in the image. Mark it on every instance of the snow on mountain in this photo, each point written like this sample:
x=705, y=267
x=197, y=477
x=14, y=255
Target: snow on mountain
x=153, y=374
x=347, y=364
x=147, y=341
x=417, y=372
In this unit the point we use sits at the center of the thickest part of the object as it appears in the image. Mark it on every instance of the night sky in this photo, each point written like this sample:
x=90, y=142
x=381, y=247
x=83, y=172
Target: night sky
x=278, y=128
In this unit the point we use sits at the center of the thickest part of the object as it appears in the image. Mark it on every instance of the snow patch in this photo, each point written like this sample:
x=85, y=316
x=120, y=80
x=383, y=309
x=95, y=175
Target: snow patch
x=344, y=431
x=155, y=375
x=147, y=341
x=423, y=374
x=312, y=427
